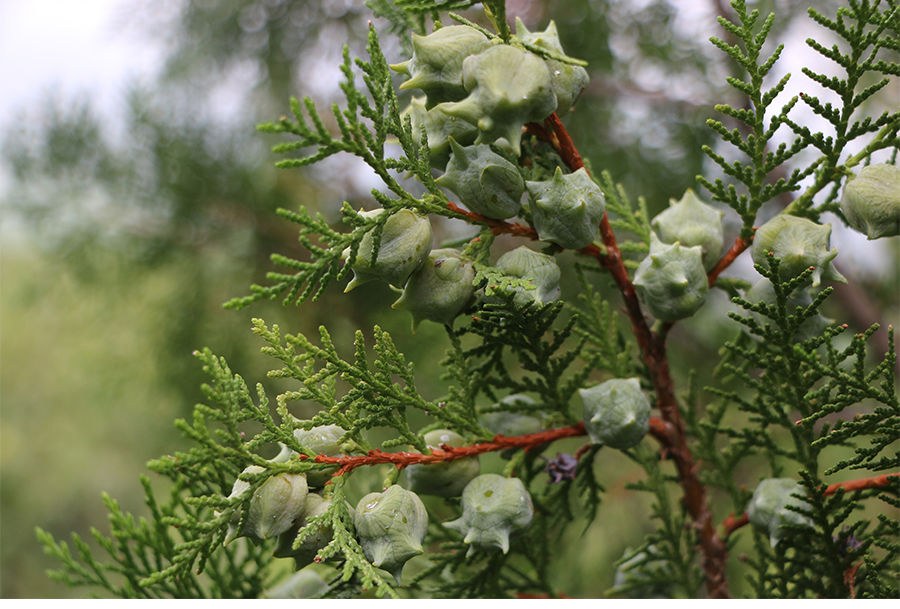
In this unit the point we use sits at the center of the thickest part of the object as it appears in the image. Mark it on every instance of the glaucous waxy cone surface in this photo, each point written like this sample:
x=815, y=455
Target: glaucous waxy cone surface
x=390, y=527
x=538, y=268
x=405, y=242
x=484, y=181
x=507, y=87
x=438, y=127
x=321, y=440
x=567, y=209
x=616, y=412
x=871, y=201
x=436, y=66
x=274, y=507
x=305, y=552
x=671, y=280
x=689, y=221
x=440, y=289
x=566, y=80
x=799, y=244
x=768, y=509
x=493, y=508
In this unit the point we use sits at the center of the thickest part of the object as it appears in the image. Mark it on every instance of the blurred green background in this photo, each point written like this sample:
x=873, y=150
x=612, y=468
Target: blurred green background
x=122, y=235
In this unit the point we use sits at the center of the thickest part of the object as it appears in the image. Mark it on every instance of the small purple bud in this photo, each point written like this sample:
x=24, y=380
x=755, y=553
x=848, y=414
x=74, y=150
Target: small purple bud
x=561, y=468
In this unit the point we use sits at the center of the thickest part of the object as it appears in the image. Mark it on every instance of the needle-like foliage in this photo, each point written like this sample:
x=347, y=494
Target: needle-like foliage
x=795, y=395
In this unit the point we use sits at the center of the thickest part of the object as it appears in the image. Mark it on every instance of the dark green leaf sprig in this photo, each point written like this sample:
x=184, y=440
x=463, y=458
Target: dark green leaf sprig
x=540, y=349
x=665, y=564
x=815, y=395
x=606, y=345
x=758, y=124
x=626, y=215
x=369, y=123
x=375, y=398
x=871, y=40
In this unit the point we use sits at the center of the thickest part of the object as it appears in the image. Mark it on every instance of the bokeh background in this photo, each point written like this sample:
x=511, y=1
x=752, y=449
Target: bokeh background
x=137, y=197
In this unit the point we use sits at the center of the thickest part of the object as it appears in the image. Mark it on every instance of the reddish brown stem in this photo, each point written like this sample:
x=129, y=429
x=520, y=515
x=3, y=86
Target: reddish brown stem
x=733, y=523
x=653, y=351
x=659, y=429
x=862, y=483
x=449, y=453
x=497, y=227
x=850, y=578
x=739, y=246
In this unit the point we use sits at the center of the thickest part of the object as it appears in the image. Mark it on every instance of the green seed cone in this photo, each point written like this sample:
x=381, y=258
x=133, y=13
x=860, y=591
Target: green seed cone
x=871, y=201
x=493, y=508
x=800, y=244
x=567, y=209
x=440, y=289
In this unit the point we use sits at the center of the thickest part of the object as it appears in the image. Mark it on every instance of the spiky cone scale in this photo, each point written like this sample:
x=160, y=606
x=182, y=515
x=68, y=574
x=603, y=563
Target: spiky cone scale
x=567, y=209
x=322, y=440
x=274, y=507
x=768, y=508
x=305, y=552
x=438, y=127
x=800, y=244
x=567, y=80
x=391, y=526
x=443, y=479
x=671, y=280
x=494, y=507
x=507, y=87
x=405, y=241
x=440, y=289
x=690, y=222
x=871, y=201
x=437, y=63
x=616, y=413
x=483, y=180
x=539, y=268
